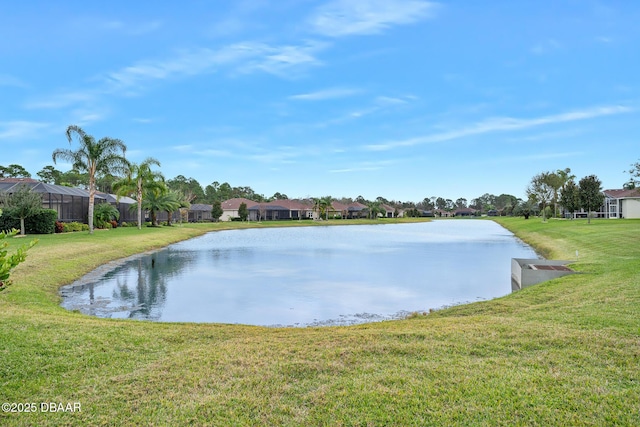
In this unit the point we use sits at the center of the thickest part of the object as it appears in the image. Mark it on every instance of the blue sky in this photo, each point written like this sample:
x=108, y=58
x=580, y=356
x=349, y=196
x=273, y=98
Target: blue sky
x=404, y=99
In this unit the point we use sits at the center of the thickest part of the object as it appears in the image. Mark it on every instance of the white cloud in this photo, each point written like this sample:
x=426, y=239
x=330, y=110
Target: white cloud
x=501, y=124
x=362, y=17
x=246, y=57
x=21, y=129
x=61, y=100
x=321, y=95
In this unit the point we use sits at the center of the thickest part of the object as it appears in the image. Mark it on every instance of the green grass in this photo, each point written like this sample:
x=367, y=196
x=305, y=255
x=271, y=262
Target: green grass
x=565, y=352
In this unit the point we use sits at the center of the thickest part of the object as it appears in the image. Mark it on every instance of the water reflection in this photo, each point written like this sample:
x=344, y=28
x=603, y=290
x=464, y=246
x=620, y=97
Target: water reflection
x=307, y=276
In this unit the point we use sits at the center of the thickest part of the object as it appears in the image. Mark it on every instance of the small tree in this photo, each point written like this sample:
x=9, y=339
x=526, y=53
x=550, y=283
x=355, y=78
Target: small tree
x=590, y=193
x=570, y=197
x=540, y=192
x=634, y=173
x=243, y=212
x=216, y=210
x=22, y=204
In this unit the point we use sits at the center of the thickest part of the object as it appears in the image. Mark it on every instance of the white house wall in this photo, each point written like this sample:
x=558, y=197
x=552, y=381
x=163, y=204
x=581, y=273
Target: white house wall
x=631, y=208
x=228, y=214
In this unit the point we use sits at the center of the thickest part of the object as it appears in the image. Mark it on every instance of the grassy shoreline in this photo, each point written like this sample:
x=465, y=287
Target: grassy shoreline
x=565, y=352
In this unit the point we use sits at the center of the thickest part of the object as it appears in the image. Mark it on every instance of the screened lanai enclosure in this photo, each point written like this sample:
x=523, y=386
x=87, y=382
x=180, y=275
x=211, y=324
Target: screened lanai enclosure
x=71, y=204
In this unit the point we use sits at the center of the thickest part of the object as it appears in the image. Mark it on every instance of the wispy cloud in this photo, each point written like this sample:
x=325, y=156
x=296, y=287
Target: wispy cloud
x=502, y=124
x=132, y=29
x=62, y=99
x=324, y=94
x=245, y=57
x=604, y=39
x=364, y=17
x=8, y=80
x=364, y=167
x=283, y=61
x=545, y=47
x=534, y=157
x=21, y=129
x=142, y=120
x=380, y=104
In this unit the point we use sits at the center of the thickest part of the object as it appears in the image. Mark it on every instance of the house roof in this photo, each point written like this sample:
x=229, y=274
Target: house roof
x=200, y=207
x=113, y=198
x=465, y=210
x=349, y=207
x=623, y=194
x=282, y=205
x=234, y=204
x=10, y=185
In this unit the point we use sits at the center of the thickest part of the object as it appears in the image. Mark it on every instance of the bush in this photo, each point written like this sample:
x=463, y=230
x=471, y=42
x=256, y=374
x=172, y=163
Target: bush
x=114, y=223
x=8, y=223
x=42, y=222
x=59, y=227
x=75, y=226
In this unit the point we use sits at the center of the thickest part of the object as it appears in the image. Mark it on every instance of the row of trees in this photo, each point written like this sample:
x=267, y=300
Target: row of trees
x=559, y=188
x=106, y=158
x=101, y=164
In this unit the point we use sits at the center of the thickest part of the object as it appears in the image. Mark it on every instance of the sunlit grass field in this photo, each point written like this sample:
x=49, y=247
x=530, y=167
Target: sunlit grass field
x=565, y=352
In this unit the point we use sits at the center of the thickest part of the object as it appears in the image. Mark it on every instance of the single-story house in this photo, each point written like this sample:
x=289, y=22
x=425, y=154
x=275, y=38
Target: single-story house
x=464, y=212
x=389, y=211
x=231, y=207
x=72, y=204
x=350, y=210
x=622, y=203
x=124, y=205
x=281, y=209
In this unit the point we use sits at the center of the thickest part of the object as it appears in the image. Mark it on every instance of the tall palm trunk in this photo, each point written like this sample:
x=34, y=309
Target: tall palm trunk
x=92, y=198
x=139, y=197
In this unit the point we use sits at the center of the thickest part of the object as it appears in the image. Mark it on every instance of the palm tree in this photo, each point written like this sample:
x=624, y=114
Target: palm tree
x=140, y=179
x=374, y=209
x=155, y=201
x=94, y=157
x=171, y=201
x=323, y=204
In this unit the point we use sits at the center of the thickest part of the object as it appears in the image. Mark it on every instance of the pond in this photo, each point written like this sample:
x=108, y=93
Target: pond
x=306, y=276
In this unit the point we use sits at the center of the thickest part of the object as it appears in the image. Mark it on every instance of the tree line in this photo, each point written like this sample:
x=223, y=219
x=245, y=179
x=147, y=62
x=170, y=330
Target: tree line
x=559, y=189
x=101, y=165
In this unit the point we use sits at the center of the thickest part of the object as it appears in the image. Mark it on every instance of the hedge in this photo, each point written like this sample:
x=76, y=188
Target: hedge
x=43, y=222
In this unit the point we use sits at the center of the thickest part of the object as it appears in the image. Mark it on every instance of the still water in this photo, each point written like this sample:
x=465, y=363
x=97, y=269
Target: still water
x=307, y=276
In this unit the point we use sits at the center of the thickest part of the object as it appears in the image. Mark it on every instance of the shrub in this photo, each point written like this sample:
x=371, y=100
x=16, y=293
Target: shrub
x=114, y=223
x=103, y=214
x=75, y=226
x=41, y=222
x=8, y=262
x=59, y=227
x=8, y=223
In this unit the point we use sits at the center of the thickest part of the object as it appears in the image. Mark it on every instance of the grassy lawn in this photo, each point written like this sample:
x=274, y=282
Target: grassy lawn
x=565, y=352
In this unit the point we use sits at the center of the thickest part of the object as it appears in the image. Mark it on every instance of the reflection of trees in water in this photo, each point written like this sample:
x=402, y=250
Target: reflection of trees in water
x=148, y=292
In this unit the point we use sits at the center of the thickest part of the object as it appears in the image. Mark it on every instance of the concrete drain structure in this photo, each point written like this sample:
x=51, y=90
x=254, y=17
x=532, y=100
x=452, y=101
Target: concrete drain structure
x=526, y=272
